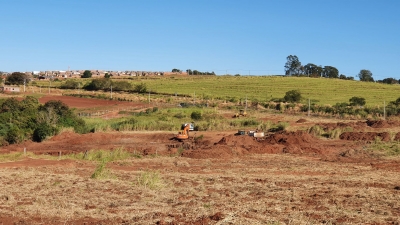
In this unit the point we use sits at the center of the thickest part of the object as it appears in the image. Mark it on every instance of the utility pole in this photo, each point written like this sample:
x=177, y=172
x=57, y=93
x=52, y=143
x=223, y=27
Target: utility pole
x=49, y=86
x=384, y=110
x=308, y=107
x=245, y=109
x=24, y=84
x=111, y=91
x=149, y=96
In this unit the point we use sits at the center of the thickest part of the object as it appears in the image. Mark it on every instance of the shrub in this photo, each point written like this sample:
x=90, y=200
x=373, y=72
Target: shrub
x=250, y=122
x=86, y=74
x=316, y=130
x=335, y=133
x=196, y=115
x=357, y=101
x=14, y=135
x=140, y=88
x=292, y=96
x=281, y=126
x=42, y=131
x=70, y=84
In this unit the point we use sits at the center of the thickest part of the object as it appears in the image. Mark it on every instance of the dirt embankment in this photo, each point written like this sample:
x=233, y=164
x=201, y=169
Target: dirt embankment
x=298, y=142
x=365, y=136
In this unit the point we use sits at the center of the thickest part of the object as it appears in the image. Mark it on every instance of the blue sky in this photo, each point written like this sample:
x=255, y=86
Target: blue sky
x=235, y=36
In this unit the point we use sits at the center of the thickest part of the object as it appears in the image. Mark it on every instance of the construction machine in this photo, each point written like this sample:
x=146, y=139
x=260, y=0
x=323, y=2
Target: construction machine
x=242, y=112
x=184, y=133
x=185, y=141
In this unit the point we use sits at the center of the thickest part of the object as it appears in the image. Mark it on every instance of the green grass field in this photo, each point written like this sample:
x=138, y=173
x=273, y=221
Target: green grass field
x=264, y=88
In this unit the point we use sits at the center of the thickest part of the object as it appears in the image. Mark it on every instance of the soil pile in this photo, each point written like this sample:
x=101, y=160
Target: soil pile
x=359, y=125
x=382, y=123
x=365, y=136
x=397, y=137
x=232, y=146
x=298, y=142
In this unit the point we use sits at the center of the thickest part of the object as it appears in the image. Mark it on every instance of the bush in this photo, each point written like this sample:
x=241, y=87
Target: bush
x=86, y=74
x=17, y=78
x=316, y=130
x=357, y=101
x=281, y=126
x=140, y=88
x=42, y=131
x=121, y=86
x=14, y=135
x=196, y=115
x=70, y=84
x=292, y=96
x=98, y=84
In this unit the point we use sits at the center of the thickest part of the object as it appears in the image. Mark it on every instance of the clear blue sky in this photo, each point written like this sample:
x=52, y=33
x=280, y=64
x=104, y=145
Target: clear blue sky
x=234, y=36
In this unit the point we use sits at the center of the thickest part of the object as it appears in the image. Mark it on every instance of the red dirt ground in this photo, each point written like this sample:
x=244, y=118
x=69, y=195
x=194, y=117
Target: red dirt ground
x=282, y=157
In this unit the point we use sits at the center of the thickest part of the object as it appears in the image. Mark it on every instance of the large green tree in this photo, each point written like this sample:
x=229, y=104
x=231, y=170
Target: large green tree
x=86, y=74
x=365, y=75
x=17, y=78
x=293, y=66
x=174, y=70
x=390, y=81
x=330, y=72
x=312, y=70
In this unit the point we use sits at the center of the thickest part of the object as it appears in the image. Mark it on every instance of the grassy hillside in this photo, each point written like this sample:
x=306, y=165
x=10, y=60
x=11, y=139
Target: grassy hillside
x=264, y=88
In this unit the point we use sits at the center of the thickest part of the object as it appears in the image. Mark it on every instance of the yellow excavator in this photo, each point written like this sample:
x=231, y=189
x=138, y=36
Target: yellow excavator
x=240, y=113
x=183, y=134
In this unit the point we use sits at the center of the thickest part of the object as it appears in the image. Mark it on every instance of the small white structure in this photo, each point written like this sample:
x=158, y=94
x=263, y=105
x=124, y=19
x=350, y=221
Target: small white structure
x=10, y=89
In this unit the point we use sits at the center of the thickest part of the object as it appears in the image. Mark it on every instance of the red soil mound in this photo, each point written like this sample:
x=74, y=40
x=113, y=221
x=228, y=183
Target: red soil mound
x=301, y=121
x=397, y=137
x=365, y=136
x=382, y=123
x=331, y=126
x=298, y=142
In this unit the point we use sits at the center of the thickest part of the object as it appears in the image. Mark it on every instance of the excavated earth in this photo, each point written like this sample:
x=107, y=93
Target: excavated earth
x=287, y=177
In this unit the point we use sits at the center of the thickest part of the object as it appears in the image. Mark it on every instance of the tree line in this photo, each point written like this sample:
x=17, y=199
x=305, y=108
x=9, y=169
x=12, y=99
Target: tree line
x=293, y=67
x=193, y=72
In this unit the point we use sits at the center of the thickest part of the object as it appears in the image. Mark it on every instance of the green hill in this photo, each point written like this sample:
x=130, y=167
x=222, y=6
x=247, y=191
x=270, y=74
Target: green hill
x=265, y=88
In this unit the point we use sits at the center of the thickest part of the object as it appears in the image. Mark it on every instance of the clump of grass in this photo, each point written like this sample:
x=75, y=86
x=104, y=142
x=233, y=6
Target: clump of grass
x=264, y=125
x=335, y=133
x=103, y=155
x=316, y=130
x=150, y=179
x=279, y=127
x=15, y=156
x=385, y=148
x=101, y=172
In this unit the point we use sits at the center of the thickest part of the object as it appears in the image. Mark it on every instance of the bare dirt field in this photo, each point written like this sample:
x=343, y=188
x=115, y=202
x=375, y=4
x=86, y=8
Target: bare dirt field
x=288, y=177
